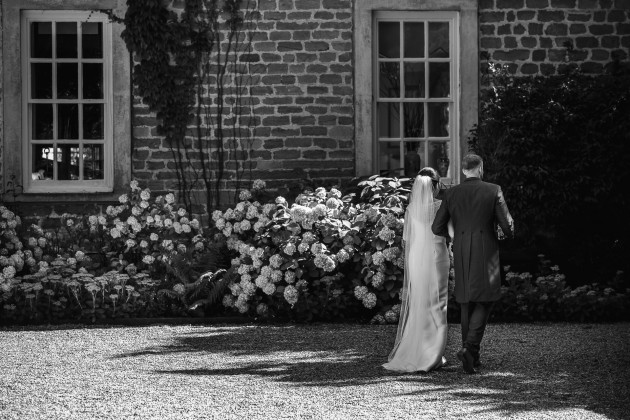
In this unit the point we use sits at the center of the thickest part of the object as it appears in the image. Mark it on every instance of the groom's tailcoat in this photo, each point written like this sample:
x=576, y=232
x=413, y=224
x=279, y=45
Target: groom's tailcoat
x=475, y=206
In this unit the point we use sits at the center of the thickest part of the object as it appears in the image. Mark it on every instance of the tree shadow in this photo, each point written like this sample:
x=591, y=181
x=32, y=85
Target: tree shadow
x=526, y=368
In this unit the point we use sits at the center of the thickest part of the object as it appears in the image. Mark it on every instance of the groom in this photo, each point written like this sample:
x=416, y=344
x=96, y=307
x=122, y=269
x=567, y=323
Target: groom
x=474, y=206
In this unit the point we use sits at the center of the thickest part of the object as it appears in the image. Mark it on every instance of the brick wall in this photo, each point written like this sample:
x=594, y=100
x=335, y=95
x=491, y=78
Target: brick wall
x=304, y=99
x=529, y=35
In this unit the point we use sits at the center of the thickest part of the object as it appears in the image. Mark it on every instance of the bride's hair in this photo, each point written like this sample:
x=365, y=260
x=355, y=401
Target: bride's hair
x=431, y=173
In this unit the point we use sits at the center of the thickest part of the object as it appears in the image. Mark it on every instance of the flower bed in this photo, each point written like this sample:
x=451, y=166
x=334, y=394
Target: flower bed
x=325, y=256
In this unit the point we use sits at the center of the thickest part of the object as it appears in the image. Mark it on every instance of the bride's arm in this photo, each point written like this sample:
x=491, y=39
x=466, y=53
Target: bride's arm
x=451, y=229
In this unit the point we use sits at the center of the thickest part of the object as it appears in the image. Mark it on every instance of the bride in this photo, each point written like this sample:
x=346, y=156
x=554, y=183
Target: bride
x=422, y=328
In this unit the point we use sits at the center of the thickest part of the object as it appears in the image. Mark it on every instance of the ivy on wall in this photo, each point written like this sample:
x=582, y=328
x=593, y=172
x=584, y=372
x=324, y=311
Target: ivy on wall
x=192, y=69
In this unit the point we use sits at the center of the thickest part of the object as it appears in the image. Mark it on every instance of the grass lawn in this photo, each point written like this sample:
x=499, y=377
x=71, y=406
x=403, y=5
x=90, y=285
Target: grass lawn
x=530, y=371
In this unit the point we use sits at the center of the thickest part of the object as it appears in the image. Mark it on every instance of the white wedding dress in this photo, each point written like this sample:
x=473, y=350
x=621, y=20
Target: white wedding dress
x=422, y=328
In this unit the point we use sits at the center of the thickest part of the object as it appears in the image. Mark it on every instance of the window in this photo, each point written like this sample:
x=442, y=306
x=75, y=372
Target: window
x=416, y=85
x=67, y=106
x=415, y=91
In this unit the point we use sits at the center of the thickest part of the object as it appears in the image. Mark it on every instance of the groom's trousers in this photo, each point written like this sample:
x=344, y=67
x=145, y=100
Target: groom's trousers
x=474, y=318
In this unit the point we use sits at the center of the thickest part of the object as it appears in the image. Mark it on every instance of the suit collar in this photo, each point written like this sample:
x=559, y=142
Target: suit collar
x=472, y=178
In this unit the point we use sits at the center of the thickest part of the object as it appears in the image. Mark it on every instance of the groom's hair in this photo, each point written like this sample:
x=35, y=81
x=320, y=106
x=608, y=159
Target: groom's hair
x=471, y=161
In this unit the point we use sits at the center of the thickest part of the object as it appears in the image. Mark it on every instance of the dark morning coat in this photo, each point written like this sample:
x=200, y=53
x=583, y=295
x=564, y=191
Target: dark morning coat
x=475, y=206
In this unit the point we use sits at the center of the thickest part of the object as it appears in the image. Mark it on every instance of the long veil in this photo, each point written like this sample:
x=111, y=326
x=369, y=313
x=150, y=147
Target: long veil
x=420, y=286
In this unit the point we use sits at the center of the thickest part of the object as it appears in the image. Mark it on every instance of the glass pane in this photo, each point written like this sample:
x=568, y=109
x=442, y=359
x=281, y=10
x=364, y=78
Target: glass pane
x=389, y=158
x=67, y=162
x=67, y=121
x=41, y=80
x=92, y=80
x=388, y=39
x=389, y=80
x=438, y=40
x=42, y=121
x=413, y=158
x=414, y=39
x=92, y=40
x=66, y=39
x=42, y=162
x=388, y=120
x=41, y=39
x=93, y=161
x=414, y=119
x=438, y=119
x=439, y=80
x=67, y=81
x=93, y=121
x=414, y=80
x=439, y=158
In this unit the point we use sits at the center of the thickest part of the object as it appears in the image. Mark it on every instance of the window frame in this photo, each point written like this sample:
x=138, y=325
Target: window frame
x=467, y=85
x=453, y=100
x=64, y=186
x=13, y=169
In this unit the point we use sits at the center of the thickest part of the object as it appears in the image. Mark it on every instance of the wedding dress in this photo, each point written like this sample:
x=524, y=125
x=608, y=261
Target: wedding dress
x=422, y=328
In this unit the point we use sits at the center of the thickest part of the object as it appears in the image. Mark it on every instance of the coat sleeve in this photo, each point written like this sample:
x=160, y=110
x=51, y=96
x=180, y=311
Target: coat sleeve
x=503, y=216
x=440, y=223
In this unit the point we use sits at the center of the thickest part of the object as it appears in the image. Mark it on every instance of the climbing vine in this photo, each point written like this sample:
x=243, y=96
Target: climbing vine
x=192, y=68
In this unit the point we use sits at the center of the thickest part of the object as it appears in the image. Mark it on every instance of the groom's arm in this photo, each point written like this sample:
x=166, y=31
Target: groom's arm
x=502, y=215
x=440, y=223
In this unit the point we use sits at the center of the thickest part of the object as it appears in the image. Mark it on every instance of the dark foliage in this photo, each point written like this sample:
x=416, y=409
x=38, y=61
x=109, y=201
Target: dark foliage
x=559, y=147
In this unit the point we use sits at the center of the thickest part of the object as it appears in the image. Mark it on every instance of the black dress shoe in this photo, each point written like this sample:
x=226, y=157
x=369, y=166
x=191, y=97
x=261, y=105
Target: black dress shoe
x=467, y=359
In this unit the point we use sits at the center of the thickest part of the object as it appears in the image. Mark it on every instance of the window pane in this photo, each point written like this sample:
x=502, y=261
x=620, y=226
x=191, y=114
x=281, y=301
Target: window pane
x=67, y=162
x=414, y=39
x=388, y=39
x=414, y=80
x=438, y=119
x=67, y=121
x=439, y=79
x=388, y=120
x=93, y=121
x=413, y=158
x=389, y=80
x=67, y=81
x=93, y=161
x=41, y=80
x=438, y=40
x=414, y=119
x=439, y=158
x=389, y=158
x=66, y=39
x=42, y=162
x=41, y=40
x=92, y=81
x=42, y=121
x=92, y=40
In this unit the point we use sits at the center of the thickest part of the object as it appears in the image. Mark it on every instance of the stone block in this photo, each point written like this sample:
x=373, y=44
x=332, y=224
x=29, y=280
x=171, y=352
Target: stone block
x=314, y=154
x=529, y=41
x=600, y=55
x=337, y=4
x=298, y=142
x=509, y=4
x=342, y=133
x=529, y=68
x=537, y=4
x=487, y=29
x=275, y=121
x=491, y=17
x=557, y=29
x=486, y=4
x=307, y=79
x=271, y=58
x=588, y=4
x=539, y=55
x=617, y=15
x=504, y=29
x=545, y=42
x=547, y=69
x=327, y=120
x=286, y=154
x=328, y=34
x=601, y=29
x=313, y=131
x=290, y=46
x=599, y=16
x=623, y=28
x=577, y=28
x=509, y=42
x=592, y=68
x=316, y=46
x=331, y=79
x=519, y=29
x=280, y=35
x=522, y=15
x=563, y=4
x=551, y=16
x=316, y=90
x=535, y=28
x=610, y=42
x=324, y=15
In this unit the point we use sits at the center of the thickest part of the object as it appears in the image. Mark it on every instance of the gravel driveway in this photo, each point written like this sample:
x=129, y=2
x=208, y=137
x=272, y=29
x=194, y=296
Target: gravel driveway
x=322, y=371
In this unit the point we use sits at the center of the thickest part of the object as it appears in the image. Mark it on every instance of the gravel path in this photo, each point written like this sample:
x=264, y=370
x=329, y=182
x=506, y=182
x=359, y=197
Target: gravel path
x=531, y=371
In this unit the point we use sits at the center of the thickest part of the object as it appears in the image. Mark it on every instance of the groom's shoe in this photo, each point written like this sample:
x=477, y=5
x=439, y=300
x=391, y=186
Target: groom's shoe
x=467, y=360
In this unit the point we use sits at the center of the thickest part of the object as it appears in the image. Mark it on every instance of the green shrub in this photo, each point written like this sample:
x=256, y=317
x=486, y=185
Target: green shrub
x=558, y=145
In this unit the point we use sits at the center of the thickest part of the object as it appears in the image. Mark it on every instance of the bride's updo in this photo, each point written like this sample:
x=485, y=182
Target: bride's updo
x=431, y=173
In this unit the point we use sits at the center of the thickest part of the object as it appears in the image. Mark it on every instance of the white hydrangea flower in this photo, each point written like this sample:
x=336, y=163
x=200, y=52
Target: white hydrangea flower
x=244, y=195
x=259, y=185
x=216, y=215
x=228, y=301
x=170, y=198
x=276, y=261
x=360, y=292
x=369, y=300
x=291, y=295
x=289, y=277
x=289, y=248
x=123, y=198
x=269, y=289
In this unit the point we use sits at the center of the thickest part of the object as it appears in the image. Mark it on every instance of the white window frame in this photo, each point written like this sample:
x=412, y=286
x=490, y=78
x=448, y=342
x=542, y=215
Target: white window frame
x=426, y=17
x=65, y=186
x=468, y=83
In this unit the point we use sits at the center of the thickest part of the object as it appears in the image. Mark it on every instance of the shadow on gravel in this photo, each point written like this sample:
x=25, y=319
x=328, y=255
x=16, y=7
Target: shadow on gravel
x=521, y=374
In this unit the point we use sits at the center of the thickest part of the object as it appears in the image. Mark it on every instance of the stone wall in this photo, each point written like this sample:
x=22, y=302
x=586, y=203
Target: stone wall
x=302, y=53
x=529, y=36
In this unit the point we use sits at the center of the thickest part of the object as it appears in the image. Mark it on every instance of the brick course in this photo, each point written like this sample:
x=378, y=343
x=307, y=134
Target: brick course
x=595, y=28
